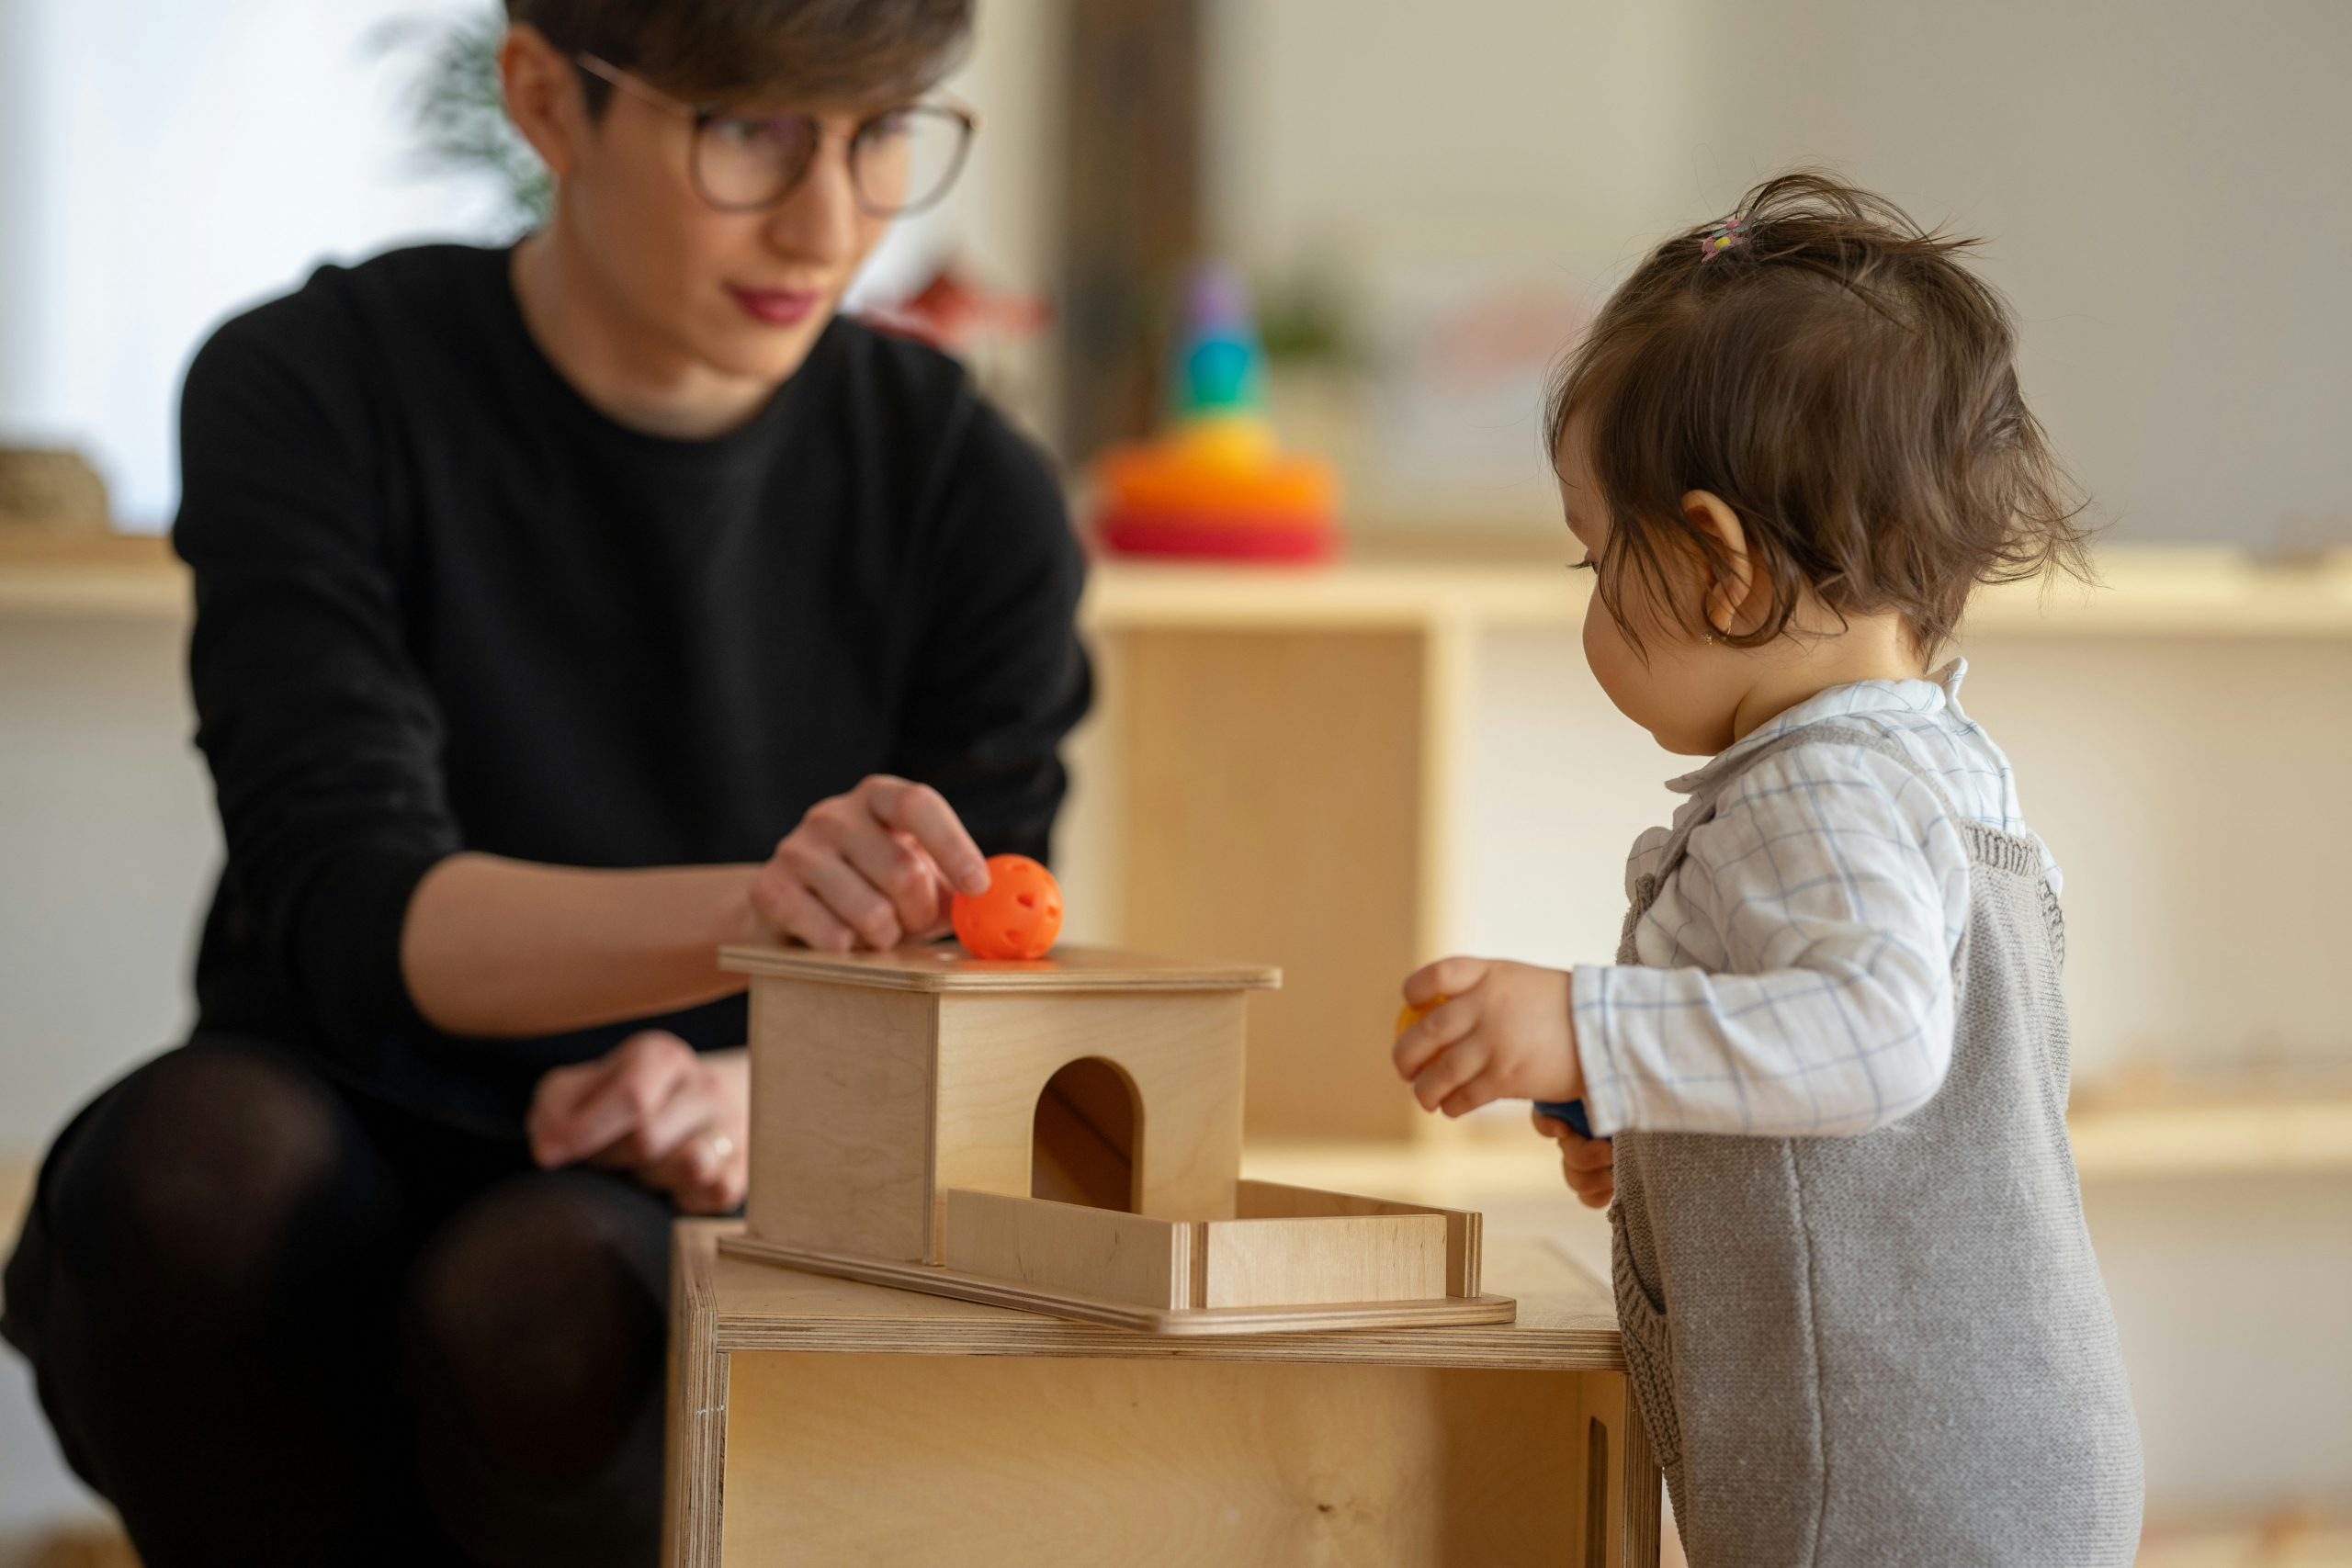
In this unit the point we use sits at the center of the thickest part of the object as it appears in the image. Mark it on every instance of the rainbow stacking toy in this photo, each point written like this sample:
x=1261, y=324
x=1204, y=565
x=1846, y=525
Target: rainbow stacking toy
x=1217, y=483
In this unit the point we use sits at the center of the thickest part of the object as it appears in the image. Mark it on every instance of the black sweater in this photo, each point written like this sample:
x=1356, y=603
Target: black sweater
x=444, y=604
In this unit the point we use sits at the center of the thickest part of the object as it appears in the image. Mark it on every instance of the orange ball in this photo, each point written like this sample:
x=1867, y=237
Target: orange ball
x=1020, y=915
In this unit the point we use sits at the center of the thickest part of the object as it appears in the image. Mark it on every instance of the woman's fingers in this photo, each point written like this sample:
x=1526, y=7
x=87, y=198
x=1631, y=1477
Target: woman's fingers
x=641, y=1073
x=554, y=1101
x=793, y=912
x=923, y=812
x=693, y=1104
x=896, y=866
x=707, y=1173
x=870, y=868
x=816, y=855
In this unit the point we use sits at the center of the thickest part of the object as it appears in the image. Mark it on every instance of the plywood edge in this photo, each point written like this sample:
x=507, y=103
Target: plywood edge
x=942, y=970
x=696, y=1452
x=1166, y=1323
x=1102, y=1253
x=1642, y=1533
x=1464, y=1228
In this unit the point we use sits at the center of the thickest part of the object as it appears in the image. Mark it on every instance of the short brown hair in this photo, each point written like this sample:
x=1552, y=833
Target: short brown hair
x=1830, y=371
x=718, y=50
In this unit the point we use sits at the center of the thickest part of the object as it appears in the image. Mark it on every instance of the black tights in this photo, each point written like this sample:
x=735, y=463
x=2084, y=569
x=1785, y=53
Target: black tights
x=275, y=1322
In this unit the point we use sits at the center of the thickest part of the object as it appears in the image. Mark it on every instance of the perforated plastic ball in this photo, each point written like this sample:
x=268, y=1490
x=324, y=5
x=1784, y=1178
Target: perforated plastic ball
x=1019, y=917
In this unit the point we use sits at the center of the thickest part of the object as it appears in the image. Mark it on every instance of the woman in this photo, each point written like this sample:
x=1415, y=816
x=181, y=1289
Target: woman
x=538, y=592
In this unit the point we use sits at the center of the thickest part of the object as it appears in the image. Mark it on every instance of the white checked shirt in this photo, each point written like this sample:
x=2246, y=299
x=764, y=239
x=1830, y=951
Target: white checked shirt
x=1795, y=974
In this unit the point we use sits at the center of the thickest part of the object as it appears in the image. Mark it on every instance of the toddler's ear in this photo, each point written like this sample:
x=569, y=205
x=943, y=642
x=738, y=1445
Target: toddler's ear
x=1729, y=607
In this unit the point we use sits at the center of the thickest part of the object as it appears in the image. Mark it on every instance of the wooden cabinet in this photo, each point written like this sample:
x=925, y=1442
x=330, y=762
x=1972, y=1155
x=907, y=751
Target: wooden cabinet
x=817, y=1420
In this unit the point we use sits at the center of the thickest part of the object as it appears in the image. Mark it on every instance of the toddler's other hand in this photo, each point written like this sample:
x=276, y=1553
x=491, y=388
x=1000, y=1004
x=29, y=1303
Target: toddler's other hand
x=1503, y=1032
x=1589, y=1163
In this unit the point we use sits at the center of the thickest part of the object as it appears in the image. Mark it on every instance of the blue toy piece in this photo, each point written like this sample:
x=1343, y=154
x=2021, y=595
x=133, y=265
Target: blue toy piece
x=1568, y=1111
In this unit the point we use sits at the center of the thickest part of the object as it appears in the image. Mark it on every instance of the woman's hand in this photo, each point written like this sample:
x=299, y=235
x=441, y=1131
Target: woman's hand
x=678, y=1119
x=1589, y=1163
x=874, y=867
x=1502, y=1032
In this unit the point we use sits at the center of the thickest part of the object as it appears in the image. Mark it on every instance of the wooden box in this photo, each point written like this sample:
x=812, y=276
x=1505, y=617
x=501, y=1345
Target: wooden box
x=1063, y=1136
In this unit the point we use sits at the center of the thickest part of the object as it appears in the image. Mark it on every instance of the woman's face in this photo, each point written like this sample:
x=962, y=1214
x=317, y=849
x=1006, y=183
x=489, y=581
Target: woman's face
x=741, y=294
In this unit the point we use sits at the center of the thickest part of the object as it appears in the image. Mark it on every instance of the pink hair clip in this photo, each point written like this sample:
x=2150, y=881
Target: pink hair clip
x=1722, y=237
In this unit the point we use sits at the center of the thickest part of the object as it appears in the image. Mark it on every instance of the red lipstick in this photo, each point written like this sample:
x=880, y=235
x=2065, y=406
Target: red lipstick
x=776, y=307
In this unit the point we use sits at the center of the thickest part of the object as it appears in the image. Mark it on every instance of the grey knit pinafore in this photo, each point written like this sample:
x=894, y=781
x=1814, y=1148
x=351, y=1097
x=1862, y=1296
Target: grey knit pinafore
x=1893, y=1348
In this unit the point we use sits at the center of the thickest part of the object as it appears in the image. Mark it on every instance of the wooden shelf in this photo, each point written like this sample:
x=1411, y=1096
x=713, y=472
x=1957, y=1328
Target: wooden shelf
x=105, y=576
x=2296, y=1538
x=1406, y=582
x=2230, y=1132
x=1437, y=582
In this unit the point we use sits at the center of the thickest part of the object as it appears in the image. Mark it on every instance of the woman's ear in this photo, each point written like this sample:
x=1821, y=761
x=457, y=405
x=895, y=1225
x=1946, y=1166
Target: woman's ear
x=1733, y=585
x=543, y=97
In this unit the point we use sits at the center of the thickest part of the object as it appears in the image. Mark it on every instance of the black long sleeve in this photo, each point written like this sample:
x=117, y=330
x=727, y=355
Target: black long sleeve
x=444, y=604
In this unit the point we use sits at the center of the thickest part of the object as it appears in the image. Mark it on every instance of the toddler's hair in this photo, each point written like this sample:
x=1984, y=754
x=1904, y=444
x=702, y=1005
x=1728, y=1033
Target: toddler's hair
x=1830, y=371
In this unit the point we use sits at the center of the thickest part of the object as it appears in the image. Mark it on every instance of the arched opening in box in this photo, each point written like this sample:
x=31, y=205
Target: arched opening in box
x=1083, y=1144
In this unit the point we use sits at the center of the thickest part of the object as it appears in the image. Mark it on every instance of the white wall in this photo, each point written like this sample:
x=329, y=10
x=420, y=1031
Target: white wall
x=108, y=838
x=172, y=162
x=2164, y=184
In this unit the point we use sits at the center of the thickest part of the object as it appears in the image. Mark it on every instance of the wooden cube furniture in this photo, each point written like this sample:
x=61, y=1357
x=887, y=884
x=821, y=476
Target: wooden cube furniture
x=1063, y=1136
x=818, y=1420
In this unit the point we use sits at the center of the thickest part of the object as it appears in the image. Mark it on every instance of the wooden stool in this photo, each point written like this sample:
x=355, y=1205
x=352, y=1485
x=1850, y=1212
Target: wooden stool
x=818, y=1420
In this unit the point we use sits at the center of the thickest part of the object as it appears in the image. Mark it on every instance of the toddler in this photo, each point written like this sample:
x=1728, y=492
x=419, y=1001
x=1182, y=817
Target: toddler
x=1861, y=1317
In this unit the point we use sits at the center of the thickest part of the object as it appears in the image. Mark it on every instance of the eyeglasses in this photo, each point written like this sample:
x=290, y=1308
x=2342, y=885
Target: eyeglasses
x=900, y=161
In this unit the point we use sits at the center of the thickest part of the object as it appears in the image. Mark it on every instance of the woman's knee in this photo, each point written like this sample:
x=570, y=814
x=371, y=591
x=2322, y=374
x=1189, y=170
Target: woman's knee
x=535, y=1323
x=190, y=1187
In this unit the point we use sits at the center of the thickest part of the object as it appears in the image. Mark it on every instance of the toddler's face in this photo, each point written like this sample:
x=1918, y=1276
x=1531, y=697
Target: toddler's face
x=1677, y=686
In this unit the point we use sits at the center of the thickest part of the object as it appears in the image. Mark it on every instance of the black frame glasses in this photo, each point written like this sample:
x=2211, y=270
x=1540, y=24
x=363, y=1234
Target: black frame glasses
x=949, y=123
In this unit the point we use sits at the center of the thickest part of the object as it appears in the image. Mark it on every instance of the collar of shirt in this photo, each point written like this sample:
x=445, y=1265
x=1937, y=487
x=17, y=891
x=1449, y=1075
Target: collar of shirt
x=1939, y=691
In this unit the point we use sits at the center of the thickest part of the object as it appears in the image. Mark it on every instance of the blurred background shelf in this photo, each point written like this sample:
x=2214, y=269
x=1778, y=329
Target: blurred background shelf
x=1306, y=764
x=2220, y=1130
x=2217, y=1128
x=1286, y=765
x=1443, y=577
x=1448, y=577
x=101, y=576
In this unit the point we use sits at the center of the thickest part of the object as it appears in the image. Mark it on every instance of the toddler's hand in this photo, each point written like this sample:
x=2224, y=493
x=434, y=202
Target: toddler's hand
x=1503, y=1032
x=1589, y=1163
